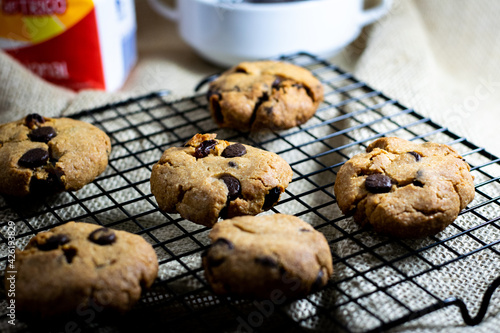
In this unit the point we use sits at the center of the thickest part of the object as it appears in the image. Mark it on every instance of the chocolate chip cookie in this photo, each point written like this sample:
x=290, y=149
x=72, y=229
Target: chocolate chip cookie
x=48, y=155
x=264, y=94
x=258, y=256
x=79, y=265
x=208, y=178
x=405, y=189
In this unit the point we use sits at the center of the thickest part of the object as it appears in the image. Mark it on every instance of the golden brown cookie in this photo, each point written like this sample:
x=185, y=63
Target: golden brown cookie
x=79, y=265
x=258, y=256
x=264, y=94
x=405, y=189
x=208, y=178
x=45, y=155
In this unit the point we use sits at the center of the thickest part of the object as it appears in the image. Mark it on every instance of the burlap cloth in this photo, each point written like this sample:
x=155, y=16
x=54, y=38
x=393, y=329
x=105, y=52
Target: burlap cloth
x=438, y=57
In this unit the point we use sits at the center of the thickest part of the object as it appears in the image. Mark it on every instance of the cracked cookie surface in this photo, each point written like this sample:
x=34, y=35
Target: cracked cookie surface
x=259, y=256
x=405, y=189
x=264, y=94
x=43, y=155
x=78, y=265
x=209, y=178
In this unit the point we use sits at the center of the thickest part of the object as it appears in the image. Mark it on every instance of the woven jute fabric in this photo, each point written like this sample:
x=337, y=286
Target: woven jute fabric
x=438, y=57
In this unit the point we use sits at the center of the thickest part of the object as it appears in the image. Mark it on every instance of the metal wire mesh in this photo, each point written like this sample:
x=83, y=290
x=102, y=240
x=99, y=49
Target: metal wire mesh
x=379, y=282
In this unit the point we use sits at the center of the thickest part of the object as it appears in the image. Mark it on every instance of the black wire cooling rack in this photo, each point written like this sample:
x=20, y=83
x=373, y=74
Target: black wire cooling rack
x=379, y=282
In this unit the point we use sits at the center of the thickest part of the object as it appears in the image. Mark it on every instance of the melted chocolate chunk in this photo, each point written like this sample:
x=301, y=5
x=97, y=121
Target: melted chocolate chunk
x=34, y=158
x=234, y=150
x=69, y=253
x=417, y=156
x=102, y=236
x=223, y=212
x=378, y=183
x=33, y=120
x=271, y=198
x=217, y=109
x=262, y=99
x=204, y=148
x=233, y=186
x=43, y=134
x=418, y=183
x=267, y=262
x=53, y=242
x=51, y=184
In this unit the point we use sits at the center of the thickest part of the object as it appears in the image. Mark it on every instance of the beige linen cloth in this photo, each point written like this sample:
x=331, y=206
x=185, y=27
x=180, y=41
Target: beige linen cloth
x=439, y=57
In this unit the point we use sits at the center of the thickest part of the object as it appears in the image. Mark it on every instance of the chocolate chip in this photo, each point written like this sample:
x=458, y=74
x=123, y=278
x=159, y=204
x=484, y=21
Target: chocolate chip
x=271, y=198
x=33, y=120
x=378, y=183
x=267, y=262
x=318, y=283
x=102, y=236
x=34, y=158
x=204, y=148
x=417, y=156
x=233, y=191
x=69, y=253
x=53, y=242
x=234, y=150
x=43, y=134
x=304, y=230
x=232, y=164
x=240, y=70
x=233, y=186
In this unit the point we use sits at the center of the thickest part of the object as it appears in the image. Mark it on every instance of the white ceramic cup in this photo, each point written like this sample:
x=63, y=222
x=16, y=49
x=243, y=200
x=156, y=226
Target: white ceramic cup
x=229, y=33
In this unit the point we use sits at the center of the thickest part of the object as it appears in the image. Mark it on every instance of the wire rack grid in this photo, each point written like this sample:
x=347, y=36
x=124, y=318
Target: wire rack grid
x=379, y=282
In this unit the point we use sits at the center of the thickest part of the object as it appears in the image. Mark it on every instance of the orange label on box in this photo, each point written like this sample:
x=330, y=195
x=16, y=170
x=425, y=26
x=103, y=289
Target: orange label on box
x=62, y=40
